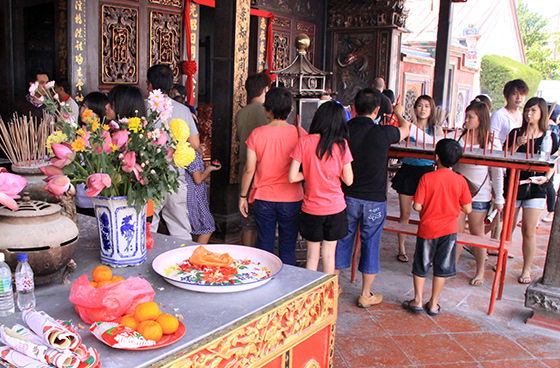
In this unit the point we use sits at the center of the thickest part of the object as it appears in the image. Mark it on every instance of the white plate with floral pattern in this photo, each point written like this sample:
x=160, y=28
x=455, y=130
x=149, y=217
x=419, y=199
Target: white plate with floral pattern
x=251, y=268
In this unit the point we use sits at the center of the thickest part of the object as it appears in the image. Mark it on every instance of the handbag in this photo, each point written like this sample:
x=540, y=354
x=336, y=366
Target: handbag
x=472, y=186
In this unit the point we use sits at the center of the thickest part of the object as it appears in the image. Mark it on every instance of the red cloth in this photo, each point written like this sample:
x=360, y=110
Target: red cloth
x=442, y=193
x=273, y=146
x=323, y=193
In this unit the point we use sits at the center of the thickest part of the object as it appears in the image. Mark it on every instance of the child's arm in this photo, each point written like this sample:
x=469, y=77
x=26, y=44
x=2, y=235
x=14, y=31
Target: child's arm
x=199, y=176
x=347, y=174
x=294, y=175
x=417, y=206
x=467, y=208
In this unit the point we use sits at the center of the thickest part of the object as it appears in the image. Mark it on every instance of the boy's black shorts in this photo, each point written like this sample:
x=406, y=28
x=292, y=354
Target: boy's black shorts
x=440, y=252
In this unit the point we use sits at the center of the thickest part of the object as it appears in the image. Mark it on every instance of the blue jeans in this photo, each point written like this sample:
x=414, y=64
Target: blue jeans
x=285, y=214
x=371, y=217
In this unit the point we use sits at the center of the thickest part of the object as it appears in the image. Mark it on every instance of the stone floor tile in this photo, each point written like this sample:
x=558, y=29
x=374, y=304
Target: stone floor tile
x=365, y=352
x=432, y=348
x=405, y=323
x=533, y=363
x=490, y=346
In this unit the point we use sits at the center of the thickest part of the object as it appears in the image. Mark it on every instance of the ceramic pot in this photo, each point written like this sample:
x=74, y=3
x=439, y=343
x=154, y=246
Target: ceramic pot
x=122, y=231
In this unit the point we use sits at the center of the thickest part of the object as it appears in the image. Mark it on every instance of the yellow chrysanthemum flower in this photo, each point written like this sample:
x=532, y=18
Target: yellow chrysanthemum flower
x=56, y=137
x=87, y=114
x=79, y=144
x=184, y=154
x=81, y=132
x=95, y=125
x=105, y=127
x=179, y=130
x=113, y=146
x=134, y=125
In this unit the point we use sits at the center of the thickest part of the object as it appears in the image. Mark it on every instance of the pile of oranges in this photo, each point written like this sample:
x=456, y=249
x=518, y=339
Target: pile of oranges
x=102, y=275
x=150, y=322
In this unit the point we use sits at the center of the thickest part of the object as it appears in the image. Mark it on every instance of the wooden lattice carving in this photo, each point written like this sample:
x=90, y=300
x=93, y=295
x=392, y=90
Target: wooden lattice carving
x=165, y=40
x=119, y=44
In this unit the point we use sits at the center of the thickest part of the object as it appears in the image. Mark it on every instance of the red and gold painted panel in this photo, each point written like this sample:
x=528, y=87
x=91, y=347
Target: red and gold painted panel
x=299, y=333
x=174, y=3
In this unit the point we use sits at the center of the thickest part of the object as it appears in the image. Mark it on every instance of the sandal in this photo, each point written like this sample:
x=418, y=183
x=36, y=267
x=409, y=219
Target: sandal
x=412, y=309
x=524, y=280
x=476, y=282
x=402, y=258
x=430, y=312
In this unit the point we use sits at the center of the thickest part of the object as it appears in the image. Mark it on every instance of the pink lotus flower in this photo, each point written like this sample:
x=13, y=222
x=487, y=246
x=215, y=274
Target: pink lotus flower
x=106, y=145
x=96, y=182
x=58, y=185
x=51, y=171
x=10, y=186
x=130, y=165
x=64, y=154
x=120, y=139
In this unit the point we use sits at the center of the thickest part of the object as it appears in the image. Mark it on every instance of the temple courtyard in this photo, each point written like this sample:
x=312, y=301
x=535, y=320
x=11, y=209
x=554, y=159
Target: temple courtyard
x=462, y=335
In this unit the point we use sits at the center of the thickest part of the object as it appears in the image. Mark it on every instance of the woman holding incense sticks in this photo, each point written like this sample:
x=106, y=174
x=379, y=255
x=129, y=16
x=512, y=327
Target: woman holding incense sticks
x=483, y=180
x=531, y=195
x=423, y=129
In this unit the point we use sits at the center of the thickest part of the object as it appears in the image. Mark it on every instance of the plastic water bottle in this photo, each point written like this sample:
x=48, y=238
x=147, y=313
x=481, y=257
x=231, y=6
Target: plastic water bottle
x=24, y=283
x=546, y=146
x=6, y=291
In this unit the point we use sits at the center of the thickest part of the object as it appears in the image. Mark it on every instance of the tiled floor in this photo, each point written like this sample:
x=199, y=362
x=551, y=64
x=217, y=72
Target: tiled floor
x=463, y=335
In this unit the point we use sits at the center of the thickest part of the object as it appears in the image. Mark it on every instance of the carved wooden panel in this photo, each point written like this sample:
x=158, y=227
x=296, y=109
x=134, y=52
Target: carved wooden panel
x=308, y=29
x=383, y=54
x=175, y=3
x=276, y=4
x=353, y=60
x=353, y=14
x=310, y=8
x=119, y=44
x=282, y=42
x=165, y=40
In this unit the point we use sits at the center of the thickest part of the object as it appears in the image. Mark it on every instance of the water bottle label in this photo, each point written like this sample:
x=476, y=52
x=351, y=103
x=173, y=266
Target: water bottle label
x=25, y=284
x=5, y=285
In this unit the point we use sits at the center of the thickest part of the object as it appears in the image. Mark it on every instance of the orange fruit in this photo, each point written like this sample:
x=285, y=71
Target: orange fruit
x=129, y=321
x=169, y=323
x=146, y=311
x=151, y=330
x=101, y=283
x=117, y=279
x=93, y=283
x=101, y=273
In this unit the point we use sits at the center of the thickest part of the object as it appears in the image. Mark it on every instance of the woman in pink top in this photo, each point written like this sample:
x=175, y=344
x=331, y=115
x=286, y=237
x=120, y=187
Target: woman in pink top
x=325, y=158
x=275, y=200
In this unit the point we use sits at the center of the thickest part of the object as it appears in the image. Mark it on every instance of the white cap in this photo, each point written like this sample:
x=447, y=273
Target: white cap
x=2, y=257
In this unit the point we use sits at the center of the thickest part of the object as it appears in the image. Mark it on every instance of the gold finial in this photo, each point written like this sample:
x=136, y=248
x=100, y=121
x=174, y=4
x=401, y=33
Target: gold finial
x=302, y=43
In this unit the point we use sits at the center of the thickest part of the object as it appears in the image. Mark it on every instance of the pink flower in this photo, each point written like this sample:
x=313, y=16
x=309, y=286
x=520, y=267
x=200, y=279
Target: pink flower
x=63, y=154
x=58, y=185
x=170, y=153
x=120, y=138
x=161, y=139
x=33, y=88
x=128, y=160
x=106, y=145
x=51, y=171
x=96, y=183
x=49, y=84
x=10, y=186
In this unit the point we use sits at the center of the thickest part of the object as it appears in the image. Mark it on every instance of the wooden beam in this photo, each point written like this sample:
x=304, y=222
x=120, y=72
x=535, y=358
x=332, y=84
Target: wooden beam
x=443, y=45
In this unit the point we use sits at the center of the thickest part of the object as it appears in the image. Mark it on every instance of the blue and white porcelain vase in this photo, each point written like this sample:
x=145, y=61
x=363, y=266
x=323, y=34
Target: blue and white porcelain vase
x=122, y=231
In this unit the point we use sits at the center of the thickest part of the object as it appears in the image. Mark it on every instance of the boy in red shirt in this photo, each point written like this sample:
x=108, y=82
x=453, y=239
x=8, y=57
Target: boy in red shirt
x=440, y=198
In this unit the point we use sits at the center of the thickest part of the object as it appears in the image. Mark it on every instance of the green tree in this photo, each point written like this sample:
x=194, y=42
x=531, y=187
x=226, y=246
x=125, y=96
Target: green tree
x=536, y=42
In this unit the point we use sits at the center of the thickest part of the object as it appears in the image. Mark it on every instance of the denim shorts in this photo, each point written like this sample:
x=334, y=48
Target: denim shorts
x=536, y=203
x=481, y=206
x=370, y=217
x=439, y=252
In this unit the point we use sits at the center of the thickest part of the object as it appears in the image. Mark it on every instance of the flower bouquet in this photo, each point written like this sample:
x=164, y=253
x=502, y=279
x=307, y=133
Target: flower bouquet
x=131, y=157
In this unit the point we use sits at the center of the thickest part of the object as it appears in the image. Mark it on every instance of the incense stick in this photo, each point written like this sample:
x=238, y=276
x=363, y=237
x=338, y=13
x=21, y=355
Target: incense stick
x=514, y=142
x=486, y=141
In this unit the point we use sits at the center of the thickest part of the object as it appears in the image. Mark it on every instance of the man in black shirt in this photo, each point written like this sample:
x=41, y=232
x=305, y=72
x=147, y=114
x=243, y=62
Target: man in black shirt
x=366, y=198
x=385, y=105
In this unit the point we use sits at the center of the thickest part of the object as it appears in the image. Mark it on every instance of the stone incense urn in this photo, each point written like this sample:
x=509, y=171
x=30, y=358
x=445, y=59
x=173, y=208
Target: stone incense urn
x=39, y=229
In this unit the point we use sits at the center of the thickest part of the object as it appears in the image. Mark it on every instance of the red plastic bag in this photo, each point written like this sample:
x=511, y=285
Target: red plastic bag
x=111, y=301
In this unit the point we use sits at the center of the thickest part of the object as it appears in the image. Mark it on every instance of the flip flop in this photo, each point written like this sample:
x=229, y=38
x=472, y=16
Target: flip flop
x=476, y=282
x=524, y=280
x=402, y=258
x=412, y=309
x=431, y=313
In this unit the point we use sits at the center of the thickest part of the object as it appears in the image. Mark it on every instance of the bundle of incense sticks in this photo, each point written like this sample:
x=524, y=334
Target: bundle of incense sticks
x=408, y=138
x=514, y=142
x=492, y=144
x=466, y=141
x=486, y=141
x=507, y=146
x=472, y=140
